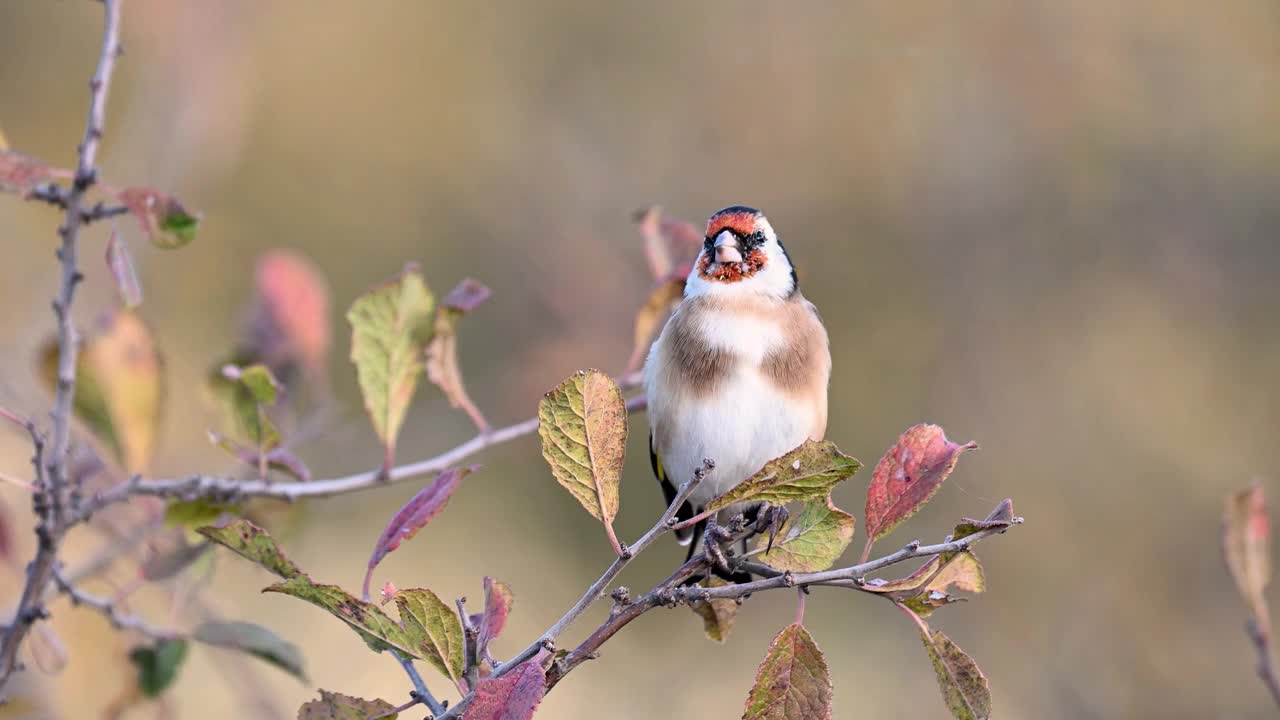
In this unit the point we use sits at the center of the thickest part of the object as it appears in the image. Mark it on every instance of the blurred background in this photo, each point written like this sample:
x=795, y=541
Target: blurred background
x=1048, y=226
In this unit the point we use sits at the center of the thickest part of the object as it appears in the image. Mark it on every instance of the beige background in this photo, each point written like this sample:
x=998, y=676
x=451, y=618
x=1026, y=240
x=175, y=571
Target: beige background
x=1048, y=226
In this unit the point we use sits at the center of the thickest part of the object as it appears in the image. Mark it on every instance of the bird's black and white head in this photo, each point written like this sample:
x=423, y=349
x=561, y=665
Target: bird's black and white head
x=741, y=255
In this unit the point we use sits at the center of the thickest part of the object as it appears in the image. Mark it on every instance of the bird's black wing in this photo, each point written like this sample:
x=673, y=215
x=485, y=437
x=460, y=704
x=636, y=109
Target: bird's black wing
x=669, y=490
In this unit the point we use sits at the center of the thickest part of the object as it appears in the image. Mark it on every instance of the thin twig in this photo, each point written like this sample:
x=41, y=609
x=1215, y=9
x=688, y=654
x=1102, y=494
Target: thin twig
x=471, y=635
x=419, y=685
x=110, y=609
x=398, y=710
x=1266, y=668
x=208, y=486
x=60, y=197
x=50, y=525
x=673, y=591
x=547, y=640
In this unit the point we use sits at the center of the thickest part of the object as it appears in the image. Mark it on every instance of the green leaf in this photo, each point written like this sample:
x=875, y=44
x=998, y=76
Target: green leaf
x=583, y=425
x=119, y=387
x=378, y=630
x=809, y=471
x=390, y=327
x=964, y=687
x=248, y=392
x=717, y=615
x=251, y=542
x=793, y=682
x=812, y=540
x=162, y=216
x=255, y=640
x=195, y=513
x=336, y=706
x=433, y=627
x=158, y=664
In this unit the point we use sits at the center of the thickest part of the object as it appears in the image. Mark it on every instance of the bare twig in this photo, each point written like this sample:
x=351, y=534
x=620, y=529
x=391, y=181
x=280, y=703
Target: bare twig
x=420, y=691
x=60, y=197
x=208, y=486
x=109, y=609
x=471, y=635
x=50, y=525
x=673, y=592
x=398, y=710
x=1266, y=667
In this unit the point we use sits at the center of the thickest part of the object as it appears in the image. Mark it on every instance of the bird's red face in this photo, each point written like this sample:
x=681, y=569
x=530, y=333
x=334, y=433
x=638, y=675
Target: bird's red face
x=733, y=249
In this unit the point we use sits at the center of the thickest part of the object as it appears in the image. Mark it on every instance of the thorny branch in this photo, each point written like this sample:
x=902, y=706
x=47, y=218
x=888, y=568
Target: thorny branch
x=53, y=480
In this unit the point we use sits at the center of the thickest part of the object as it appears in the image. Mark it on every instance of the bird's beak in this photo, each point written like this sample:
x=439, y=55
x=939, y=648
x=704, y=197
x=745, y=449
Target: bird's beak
x=727, y=249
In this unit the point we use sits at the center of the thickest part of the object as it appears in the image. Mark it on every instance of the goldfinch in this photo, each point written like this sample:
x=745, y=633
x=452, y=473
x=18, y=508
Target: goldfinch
x=739, y=373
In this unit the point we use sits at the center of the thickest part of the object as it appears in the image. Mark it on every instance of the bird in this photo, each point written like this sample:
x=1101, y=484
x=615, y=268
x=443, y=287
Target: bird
x=740, y=370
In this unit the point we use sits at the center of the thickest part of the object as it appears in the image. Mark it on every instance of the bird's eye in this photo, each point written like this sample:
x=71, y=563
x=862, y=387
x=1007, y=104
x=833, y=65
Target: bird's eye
x=708, y=244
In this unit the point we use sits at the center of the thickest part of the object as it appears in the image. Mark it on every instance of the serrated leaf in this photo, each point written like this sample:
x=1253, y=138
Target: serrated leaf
x=583, y=425
x=793, y=682
x=158, y=664
x=434, y=629
x=498, y=599
x=161, y=216
x=414, y=515
x=810, y=541
x=514, y=696
x=390, y=327
x=809, y=471
x=255, y=640
x=336, y=706
x=22, y=174
x=289, y=321
x=1246, y=544
x=442, y=352
x=253, y=543
x=378, y=630
x=964, y=687
x=198, y=512
x=662, y=298
x=123, y=272
x=718, y=615
x=119, y=387
x=908, y=475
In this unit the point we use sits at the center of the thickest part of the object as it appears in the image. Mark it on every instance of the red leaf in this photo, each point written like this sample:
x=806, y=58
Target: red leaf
x=514, y=696
x=290, y=319
x=416, y=513
x=908, y=475
x=670, y=245
x=497, y=606
x=467, y=296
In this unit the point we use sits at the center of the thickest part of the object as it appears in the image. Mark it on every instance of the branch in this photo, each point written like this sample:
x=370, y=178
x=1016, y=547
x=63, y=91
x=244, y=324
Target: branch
x=420, y=691
x=209, y=486
x=108, y=608
x=60, y=197
x=547, y=640
x=672, y=592
x=1266, y=669
x=49, y=527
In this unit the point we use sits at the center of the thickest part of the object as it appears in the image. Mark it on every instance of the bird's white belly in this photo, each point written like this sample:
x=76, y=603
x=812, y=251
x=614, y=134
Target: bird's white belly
x=742, y=425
